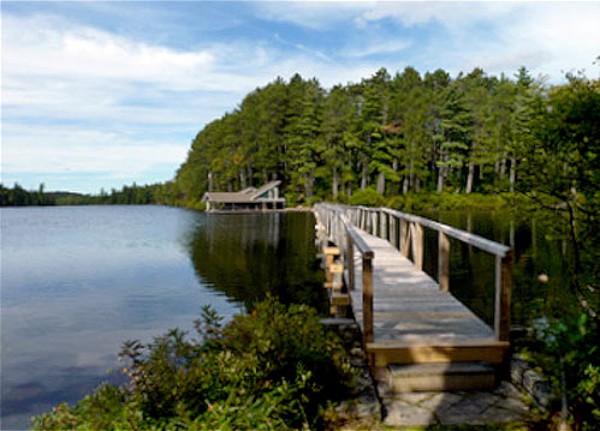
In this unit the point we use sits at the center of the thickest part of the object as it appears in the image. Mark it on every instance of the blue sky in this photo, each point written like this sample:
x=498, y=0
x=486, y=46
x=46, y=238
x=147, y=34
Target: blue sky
x=101, y=94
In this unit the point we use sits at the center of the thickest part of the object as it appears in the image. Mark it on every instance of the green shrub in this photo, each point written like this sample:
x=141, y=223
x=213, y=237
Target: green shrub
x=367, y=197
x=275, y=368
x=569, y=353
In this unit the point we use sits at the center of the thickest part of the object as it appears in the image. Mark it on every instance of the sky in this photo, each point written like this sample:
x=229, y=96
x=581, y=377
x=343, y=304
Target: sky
x=97, y=95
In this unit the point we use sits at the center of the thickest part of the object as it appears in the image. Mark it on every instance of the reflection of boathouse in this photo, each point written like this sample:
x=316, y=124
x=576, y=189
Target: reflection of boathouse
x=250, y=199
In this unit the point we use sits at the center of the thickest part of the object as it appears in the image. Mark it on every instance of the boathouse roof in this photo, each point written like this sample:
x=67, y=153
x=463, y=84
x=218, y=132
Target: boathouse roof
x=267, y=193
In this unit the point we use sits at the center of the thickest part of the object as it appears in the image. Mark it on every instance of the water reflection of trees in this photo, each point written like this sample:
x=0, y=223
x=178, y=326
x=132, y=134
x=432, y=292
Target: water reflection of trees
x=247, y=256
x=539, y=250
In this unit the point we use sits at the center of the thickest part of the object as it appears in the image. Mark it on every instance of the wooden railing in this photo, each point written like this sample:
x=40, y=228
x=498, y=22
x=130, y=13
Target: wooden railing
x=405, y=232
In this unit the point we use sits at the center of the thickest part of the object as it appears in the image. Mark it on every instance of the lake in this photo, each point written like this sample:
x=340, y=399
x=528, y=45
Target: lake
x=78, y=281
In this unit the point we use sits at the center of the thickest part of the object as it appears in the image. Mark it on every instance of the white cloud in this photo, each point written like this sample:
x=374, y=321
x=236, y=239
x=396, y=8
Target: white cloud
x=377, y=47
x=561, y=37
x=45, y=46
x=64, y=149
x=449, y=14
x=112, y=93
x=547, y=37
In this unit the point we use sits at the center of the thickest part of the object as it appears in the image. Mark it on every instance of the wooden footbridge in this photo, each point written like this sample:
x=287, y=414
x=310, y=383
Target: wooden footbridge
x=416, y=334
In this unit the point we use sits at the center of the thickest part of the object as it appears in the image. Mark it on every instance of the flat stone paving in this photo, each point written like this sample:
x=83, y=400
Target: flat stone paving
x=505, y=404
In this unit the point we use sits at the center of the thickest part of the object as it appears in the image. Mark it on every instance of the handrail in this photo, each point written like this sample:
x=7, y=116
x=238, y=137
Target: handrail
x=359, y=242
x=351, y=239
x=484, y=244
x=407, y=235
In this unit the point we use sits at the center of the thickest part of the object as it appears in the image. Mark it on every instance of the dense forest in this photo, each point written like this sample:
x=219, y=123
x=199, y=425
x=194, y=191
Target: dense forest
x=402, y=134
x=128, y=195
x=18, y=196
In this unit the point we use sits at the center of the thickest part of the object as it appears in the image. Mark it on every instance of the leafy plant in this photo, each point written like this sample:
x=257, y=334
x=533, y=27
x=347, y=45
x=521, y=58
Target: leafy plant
x=275, y=368
x=570, y=356
x=367, y=197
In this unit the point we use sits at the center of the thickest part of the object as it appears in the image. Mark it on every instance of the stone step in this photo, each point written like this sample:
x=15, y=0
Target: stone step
x=465, y=376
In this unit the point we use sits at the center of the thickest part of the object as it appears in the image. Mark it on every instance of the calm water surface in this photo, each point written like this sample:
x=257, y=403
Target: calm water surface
x=78, y=281
x=535, y=252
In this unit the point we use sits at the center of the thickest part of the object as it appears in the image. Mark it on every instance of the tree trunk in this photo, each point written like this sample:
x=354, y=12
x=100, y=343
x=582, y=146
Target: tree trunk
x=513, y=173
x=381, y=183
x=470, y=175
x=496, y=167
x=441, y=173
x=411, y=175
x=364, y=181
x=405, y=184
x=310, y=183
x=249, y=176
x=242, y=176
x=503, y=166
x=395, y=168
x=336, y=183
x=440, y=179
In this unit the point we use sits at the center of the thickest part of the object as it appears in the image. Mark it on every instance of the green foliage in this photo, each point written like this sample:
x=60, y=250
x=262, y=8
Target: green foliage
x=18, y=196
x=401, y=134
x=569, y=353
x=128, y=195
x=367, y=197
x=420, y=202
x=273, y=369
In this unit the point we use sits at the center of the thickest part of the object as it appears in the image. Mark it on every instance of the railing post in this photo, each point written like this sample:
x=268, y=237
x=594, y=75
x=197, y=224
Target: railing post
x=393, y=231
x=350, y=261
x=363, y=219
x=374, y=217
x=384, y=225
x=503, y=292
x=417, y=244
x=444, y=262
x=373, y=222
x=367, y=285
x=404, y=238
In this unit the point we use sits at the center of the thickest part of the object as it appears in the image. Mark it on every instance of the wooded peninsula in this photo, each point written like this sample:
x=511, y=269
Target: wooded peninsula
x=388, y=138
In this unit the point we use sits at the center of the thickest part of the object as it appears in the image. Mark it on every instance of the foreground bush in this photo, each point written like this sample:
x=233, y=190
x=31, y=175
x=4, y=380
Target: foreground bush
x=275, y=368
x=569, y=353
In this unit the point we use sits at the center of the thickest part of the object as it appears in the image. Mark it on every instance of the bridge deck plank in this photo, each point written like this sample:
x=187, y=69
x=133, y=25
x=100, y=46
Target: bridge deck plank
x=408, y=305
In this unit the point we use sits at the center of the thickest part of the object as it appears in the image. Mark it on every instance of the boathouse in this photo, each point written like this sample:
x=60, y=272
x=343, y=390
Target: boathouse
x=249, y=199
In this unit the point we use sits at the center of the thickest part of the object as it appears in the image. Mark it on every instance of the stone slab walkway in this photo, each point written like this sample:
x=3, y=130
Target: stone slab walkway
x=505, y=404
